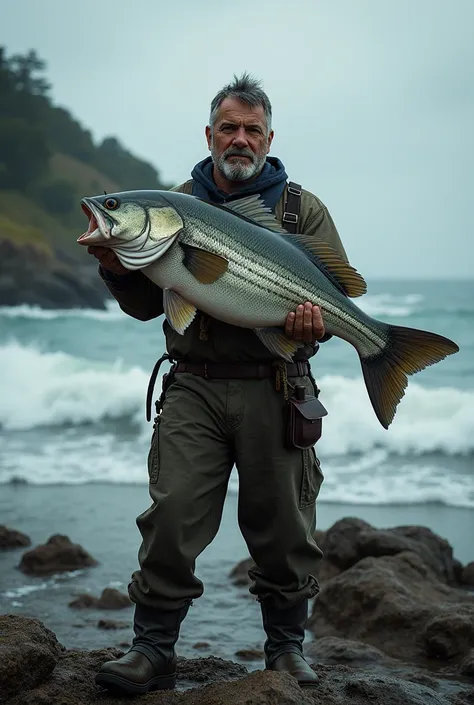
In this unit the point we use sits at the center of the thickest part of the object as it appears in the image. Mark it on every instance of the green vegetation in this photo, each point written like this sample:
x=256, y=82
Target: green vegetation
x=48, y=161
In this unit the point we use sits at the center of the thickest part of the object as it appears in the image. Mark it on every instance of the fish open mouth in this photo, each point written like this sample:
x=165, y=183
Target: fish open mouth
x=97, y=232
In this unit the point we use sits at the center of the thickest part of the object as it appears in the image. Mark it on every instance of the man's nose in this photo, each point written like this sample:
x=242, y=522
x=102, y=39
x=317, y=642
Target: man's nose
x=240, y=138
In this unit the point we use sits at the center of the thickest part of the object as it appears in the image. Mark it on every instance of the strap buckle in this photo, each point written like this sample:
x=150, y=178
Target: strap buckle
x=294, y=191
x=290, y=217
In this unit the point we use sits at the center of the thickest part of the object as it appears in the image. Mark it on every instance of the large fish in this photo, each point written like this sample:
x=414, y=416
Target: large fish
x=235, y=263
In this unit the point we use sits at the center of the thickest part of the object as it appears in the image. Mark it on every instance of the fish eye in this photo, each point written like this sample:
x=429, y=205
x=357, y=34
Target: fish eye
x=111, y=204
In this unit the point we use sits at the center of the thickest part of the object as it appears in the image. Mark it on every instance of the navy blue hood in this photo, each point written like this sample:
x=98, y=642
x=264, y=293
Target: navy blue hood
x=270, y=183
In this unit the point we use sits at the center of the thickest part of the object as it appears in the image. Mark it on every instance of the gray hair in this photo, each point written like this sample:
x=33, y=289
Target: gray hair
x=246, y=89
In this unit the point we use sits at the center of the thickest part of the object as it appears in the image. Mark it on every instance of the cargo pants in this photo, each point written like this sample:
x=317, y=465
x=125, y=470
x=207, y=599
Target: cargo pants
x=206, y=426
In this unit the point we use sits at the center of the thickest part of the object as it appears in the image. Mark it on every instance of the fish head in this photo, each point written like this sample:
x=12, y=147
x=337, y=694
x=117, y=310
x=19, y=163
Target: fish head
x=139, y=226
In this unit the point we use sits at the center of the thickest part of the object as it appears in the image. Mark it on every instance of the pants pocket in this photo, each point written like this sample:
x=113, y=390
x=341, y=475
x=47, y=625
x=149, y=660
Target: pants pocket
x=312, y=478
x=154, y=454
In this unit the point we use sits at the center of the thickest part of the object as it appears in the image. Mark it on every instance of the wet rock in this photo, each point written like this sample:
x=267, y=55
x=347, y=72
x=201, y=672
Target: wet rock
x=339, y=545
x=124, y=644
x=398, y=605
x=468, y=575
x=57, y=555
x=451, y=633
x=250, y=655
x=239, y=574
x=206, y=681
x=10, y=538
x=466, y=667
x=28, y=654
x=350, y=540
x=260, y=688
x=335, y=650
x=208, y=670
x=201, y=645
x=110, y=599
x=112, y=624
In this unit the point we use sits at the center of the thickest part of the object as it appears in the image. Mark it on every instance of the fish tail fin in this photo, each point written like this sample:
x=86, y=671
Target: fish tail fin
x=408, y=350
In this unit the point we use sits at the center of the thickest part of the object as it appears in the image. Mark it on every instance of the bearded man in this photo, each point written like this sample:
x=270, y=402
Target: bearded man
x=223, y=404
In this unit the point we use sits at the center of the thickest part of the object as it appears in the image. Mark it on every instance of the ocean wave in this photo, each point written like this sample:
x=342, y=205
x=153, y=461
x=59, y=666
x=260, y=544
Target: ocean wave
x=384, y=304
x=111, y=313
x=55, y=389
x=377, y=305
x=390, y=305
x=42, y=389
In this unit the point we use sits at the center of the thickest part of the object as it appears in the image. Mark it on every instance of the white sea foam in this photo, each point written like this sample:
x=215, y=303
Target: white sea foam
x=378, y=305
x=383, y=304
x=53, y=388
x=56, y=389
x=85, y=423
x=112, y=312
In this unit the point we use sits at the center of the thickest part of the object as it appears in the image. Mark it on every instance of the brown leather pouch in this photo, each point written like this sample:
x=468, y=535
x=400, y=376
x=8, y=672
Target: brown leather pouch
x=304, y=420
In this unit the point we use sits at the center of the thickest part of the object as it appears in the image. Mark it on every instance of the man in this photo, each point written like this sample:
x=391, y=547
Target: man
x=225, y=404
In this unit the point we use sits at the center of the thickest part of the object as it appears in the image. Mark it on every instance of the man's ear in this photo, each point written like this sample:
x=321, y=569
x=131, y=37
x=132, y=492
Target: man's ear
x=208, y=136
x=270, y=140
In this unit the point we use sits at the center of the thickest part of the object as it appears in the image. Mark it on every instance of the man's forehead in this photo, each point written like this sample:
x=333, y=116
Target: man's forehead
x=236, y=110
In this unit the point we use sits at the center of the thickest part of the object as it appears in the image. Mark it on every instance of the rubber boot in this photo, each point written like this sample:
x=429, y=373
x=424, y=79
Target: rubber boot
x=285, y=629
x=150, y=664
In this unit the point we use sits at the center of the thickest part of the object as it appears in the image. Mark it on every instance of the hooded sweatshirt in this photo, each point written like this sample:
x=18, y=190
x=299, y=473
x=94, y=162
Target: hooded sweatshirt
x=270, y=183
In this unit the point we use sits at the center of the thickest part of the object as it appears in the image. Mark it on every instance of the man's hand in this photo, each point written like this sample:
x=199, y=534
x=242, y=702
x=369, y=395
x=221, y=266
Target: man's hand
x=305, y=324
x=108, y=259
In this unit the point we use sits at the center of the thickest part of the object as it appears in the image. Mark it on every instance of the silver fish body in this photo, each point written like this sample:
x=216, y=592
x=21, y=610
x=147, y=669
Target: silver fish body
x=239, y=267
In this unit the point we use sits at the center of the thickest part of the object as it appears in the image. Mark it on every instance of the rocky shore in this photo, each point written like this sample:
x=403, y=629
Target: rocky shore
x=393, y=624
x=36, y=276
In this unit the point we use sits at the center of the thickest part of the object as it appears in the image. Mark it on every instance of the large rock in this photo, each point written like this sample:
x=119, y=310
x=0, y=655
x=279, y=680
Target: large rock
x=28, y=654
x=350, y=540
x=468, y=575
x=10, y=538
x=334, y=650
x=35, y=275
x=240, y=573
x=57, y=555
x=399, y=605
x=209, y=681
x=110, y=599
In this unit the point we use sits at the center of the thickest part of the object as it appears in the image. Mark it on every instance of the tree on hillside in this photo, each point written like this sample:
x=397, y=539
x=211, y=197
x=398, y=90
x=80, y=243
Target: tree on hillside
x=32, y=129
x=24, y=70
x=129, y=171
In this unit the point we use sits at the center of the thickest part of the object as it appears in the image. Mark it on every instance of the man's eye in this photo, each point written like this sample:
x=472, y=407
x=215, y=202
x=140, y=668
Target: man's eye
x=227, y=128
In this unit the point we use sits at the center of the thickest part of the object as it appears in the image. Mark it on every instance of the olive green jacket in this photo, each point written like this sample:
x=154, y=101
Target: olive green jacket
x=208, y=339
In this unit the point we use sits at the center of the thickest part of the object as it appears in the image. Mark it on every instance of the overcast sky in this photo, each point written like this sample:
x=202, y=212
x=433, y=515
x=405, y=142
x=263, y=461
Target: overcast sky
x=373, y=102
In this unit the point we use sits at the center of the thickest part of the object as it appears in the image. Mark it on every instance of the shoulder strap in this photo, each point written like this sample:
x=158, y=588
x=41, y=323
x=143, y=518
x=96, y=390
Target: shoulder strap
x=291, y=211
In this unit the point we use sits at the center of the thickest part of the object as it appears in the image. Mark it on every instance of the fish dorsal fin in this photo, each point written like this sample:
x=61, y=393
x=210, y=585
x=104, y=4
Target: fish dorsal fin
x=348, y=278
x=253, y=208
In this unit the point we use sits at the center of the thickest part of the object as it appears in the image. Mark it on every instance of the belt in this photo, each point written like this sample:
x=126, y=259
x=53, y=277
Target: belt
x=240, y=370
x=217, y=370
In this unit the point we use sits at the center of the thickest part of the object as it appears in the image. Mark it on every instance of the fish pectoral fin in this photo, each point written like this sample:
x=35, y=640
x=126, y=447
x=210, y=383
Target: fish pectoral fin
x=345, y=275
x=205, y=266
x=179, y=312
x=253, y=208
x=278, y=343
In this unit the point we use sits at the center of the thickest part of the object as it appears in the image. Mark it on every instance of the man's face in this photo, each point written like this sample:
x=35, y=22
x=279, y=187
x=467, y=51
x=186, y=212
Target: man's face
x=239, y=141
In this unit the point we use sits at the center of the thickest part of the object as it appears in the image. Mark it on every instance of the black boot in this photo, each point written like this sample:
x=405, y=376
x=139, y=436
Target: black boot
x=284, y=644
x=151, y=662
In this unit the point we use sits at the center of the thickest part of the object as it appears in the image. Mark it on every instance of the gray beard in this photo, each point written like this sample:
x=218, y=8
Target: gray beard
x=238, y=170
